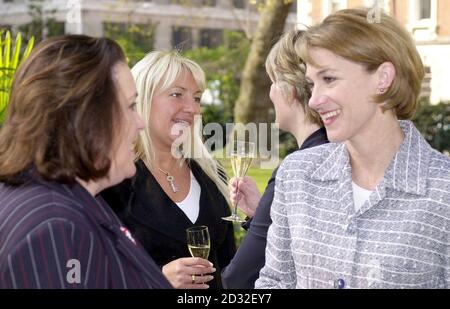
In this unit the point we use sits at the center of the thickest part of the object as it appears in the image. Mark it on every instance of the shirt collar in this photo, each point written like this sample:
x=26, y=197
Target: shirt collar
x=407, y=171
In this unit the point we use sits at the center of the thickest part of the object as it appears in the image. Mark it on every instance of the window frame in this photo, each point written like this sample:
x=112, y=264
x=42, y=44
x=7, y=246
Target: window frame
x=417, y=24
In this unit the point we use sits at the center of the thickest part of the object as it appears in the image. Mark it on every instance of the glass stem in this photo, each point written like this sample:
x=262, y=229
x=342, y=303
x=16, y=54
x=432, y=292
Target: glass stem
x=237, y=201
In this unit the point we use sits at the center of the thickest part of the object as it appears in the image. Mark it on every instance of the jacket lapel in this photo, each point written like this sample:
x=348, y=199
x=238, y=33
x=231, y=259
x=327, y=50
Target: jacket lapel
x=152, y=207
x=138, y=258
x=399, y=175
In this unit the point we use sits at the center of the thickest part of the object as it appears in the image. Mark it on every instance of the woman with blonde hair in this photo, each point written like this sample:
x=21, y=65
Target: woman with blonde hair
x=289, y=93
x=370, y=209
x=178, y=184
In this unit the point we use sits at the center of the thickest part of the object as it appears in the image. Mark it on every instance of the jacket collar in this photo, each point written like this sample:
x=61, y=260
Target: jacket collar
x=150, y=202
x=317, y=138
x=407, y=171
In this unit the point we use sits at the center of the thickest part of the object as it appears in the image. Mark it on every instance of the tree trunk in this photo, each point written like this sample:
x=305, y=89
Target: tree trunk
x=253, y=103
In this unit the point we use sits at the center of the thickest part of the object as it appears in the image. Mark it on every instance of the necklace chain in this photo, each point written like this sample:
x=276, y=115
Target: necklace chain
x=170, y=179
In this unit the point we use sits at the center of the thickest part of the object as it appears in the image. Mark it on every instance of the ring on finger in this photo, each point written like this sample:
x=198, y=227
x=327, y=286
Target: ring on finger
x=193, y=279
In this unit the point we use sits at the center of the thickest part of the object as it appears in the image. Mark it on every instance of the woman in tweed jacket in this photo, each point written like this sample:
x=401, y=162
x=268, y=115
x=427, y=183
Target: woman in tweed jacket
x=372, y=208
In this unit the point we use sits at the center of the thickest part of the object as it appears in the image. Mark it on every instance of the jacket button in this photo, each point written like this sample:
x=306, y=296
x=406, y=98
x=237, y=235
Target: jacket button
x=339, y=283
x=351, y=229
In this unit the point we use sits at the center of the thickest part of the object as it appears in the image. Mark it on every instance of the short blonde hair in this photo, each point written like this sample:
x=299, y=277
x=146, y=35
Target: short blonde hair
x=349, y=34
x=285, y=67
x=157, y=71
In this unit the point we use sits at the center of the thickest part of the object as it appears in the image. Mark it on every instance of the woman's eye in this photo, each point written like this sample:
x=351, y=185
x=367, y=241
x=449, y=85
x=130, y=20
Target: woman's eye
x=175, y=94
x=310, y=86
x=197, y=99
x=133, y=106
x=329, y=79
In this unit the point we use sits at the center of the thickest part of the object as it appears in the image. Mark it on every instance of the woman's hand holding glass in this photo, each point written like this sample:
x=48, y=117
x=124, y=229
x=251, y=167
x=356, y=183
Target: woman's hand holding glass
x=179, y=273
x=245, y=193
x=191, y=272
x=241, y=156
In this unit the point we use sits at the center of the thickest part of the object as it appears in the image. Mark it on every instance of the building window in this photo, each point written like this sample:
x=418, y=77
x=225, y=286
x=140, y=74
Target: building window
x=424, y=9
x=239, y=4
x=211, y=37
x=208, y=2
x=182, y=38
x=423, y=19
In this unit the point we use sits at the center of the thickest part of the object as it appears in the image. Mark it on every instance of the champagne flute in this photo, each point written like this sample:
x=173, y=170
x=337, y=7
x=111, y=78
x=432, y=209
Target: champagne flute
x=242, y=154
x=198, y=241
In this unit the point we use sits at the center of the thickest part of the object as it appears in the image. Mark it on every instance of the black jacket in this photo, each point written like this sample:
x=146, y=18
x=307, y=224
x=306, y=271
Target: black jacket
x=250, y=258
x=160, y=225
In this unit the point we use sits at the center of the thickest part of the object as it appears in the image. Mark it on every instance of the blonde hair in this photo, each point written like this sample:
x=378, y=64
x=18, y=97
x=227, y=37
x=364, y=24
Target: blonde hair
x=157, y=71
x=285, y=67
x=348, y=34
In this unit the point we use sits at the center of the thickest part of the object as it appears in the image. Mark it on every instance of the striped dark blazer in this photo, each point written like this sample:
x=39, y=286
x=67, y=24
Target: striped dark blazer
x=54, y=235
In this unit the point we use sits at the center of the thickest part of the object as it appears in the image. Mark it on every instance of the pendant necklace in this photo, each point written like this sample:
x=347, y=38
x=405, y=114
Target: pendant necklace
x=170, y=180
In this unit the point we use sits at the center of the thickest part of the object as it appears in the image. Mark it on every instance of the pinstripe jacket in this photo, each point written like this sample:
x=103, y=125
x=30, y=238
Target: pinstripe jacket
x=399, y=238
x=46, y=227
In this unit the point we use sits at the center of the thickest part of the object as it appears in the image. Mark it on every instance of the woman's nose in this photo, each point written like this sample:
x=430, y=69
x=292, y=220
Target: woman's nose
x=192, y=106
x=317, y=99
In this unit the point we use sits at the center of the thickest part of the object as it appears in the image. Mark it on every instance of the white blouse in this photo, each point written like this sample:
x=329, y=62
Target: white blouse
x=191, y=204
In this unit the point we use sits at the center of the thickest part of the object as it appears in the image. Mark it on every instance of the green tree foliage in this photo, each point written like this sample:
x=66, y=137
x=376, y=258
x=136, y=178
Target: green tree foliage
x=223, y=67
x=433, y=121
x=135, y=39
x=10, y=58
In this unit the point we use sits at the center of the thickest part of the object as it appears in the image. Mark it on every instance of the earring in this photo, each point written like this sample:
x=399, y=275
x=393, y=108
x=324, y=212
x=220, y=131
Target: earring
x=381, y=90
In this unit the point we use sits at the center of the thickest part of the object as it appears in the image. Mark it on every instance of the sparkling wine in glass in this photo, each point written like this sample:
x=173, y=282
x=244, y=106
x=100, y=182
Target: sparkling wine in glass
x=241, y=156
x=198, y=241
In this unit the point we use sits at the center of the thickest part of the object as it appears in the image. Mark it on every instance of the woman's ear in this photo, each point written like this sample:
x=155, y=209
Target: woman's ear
x=386, y=75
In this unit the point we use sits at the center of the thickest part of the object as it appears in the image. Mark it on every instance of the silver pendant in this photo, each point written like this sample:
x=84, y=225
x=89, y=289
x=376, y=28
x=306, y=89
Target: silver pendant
x=169, y=179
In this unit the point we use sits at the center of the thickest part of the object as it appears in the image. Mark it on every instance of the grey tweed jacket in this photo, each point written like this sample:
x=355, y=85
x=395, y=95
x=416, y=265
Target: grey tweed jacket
x=398, y=239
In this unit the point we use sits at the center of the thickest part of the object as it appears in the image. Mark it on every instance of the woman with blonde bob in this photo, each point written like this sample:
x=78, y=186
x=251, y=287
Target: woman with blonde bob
x=177, y=184
x=289, y=93
x=370, y=209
